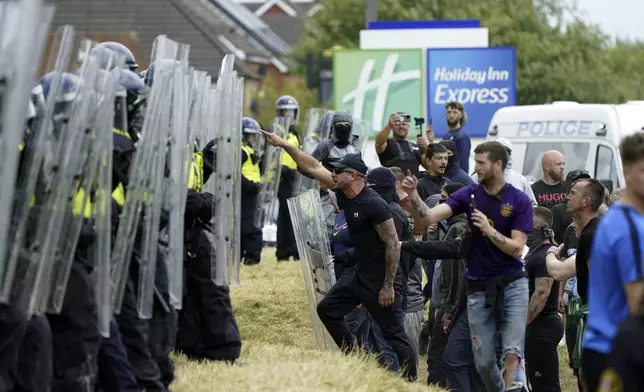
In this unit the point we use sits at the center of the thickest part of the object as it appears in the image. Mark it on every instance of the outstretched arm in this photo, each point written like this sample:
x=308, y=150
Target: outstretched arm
x=304, y=161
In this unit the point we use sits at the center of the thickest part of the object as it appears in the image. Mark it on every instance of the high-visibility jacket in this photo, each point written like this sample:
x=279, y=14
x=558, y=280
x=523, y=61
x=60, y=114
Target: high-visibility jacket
x=249, y=169
x=196, y=176
x=285, y=159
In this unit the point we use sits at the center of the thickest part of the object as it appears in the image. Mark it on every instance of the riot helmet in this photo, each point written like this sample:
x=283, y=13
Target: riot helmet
x=148, y=77
x=122, y=50
x=324, y=125
x=342, y=124
x=287, y=106
x=128, y=100
x=251, y=133
x=70, y=85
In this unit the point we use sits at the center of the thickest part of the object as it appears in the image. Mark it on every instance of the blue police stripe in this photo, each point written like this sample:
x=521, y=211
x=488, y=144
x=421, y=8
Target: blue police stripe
x=424, y=24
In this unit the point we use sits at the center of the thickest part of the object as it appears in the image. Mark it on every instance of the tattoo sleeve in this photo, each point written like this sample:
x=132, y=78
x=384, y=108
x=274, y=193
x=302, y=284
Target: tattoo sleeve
x=420, y=207
x=542, y=287
x=387, y=232
x=509, y=246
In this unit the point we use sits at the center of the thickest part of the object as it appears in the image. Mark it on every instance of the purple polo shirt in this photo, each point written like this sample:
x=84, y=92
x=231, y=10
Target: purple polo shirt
x=512, y=212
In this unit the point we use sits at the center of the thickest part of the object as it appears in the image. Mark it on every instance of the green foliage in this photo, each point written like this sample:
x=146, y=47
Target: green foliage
x=559, y=55
x=270, y=93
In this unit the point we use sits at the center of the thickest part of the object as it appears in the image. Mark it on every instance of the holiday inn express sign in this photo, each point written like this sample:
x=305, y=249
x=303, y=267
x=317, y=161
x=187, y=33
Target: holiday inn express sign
x=374, y=83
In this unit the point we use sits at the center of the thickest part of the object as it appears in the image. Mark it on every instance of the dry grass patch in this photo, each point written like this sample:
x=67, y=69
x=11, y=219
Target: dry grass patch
x=275, y=323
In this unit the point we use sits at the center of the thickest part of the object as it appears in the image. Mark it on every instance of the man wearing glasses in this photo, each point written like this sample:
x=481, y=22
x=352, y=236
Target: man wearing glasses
x=376, y=253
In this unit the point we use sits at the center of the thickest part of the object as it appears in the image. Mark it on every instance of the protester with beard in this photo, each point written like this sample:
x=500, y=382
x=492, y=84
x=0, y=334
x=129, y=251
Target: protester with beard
x=397, y=151
x=453, y=171
x=496, y=279
x=456, y=119
x=560, y=217
x=616, y=311
x=376, y=277
x=451, y=249
x=551, y=190
x=435, y=161
x=544, y=327
x=513, y=177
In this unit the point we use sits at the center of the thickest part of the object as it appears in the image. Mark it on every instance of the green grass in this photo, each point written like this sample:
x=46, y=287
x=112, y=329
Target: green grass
x=275, y=323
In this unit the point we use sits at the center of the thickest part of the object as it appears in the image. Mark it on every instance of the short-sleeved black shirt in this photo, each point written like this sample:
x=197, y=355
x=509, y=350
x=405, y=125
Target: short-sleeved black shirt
x=402, y=154
x=363, y=213
x=535, y=264
x=583, y=256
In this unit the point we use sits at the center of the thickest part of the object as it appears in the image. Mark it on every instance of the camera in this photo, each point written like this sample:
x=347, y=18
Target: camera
x=419, y=125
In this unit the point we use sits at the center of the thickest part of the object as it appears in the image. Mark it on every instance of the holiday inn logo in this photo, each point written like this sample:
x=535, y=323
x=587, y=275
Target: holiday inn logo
x=373, y=83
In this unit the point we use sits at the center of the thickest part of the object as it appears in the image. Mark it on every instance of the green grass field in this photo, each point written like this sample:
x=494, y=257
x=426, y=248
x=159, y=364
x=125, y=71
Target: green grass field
x=278, y=346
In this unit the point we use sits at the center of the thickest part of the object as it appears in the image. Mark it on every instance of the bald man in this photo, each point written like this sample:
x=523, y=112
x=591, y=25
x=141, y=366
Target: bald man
x=551, y=190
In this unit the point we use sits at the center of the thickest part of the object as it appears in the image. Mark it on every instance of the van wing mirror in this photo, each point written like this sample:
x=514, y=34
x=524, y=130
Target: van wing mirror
x=608, y=184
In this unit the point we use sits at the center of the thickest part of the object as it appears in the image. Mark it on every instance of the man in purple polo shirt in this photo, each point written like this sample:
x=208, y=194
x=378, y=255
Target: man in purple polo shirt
x=497, y=286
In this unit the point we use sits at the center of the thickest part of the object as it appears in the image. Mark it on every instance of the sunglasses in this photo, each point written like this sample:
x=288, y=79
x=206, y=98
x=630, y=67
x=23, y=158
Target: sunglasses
x=346, y=170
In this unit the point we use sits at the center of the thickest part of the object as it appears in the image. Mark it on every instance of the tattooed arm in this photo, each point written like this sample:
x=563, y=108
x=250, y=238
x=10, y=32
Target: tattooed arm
x=510, y=246
x=425, y=216
x=387, y=232
x=542, y=287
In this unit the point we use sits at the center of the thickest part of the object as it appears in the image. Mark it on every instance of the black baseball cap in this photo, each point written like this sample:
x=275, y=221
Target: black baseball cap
x=351, y=161
x=577, y=175
x=381, y=177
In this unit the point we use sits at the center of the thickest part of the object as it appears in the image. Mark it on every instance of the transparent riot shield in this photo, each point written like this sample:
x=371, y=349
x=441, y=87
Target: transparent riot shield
x=310, y=140
x=144, y=190
x=68, y=202
x=23, y=29
x=228, y=96
x=28, y=262
x=363, y=130
x=267, y=202
x=315, y=255
x=106, y=87
x=171, y=61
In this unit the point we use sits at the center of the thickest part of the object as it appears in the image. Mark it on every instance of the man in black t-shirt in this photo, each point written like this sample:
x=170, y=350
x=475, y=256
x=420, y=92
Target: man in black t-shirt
x=376, y=252
x=398, y=151
x=560, y=217
x=551, y=189
x=544, y=327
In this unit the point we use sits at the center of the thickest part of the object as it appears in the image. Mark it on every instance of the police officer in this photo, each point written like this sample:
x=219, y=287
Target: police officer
x=207, y=326
x=287, y=106
x=251, y=241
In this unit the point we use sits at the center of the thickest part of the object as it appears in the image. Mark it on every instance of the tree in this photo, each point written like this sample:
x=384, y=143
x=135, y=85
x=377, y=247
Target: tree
x=559, y=55
x=269, y=94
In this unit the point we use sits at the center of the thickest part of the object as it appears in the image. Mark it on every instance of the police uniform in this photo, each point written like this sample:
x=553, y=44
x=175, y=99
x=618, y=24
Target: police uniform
x=251, y=241
x=207, y=326
x=286, y=245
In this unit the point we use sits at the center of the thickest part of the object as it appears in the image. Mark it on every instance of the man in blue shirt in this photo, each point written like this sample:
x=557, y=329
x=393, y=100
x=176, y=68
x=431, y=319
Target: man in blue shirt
x=497, y=286
x=616, y=272
x=456, y=118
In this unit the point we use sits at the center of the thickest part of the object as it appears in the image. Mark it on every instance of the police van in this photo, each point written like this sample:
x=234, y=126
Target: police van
x=587, y=134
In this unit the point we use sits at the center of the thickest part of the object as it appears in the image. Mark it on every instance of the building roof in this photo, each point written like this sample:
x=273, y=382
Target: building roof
x=140, y=22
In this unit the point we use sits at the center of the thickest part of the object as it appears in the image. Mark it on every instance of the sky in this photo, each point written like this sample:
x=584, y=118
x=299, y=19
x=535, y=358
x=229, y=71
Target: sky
x=618, y=18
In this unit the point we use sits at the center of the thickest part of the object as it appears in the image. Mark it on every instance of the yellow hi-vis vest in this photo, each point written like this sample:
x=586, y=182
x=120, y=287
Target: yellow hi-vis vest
x=78, y=204
x=196, y=176
x=285, y=159
x=249, y=169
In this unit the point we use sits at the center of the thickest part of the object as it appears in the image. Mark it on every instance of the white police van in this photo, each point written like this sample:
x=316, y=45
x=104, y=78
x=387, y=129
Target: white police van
x=587, y=134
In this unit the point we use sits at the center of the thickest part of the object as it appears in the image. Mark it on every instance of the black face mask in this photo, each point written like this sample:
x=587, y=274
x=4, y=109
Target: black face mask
x=540, y=234
x=342, y=133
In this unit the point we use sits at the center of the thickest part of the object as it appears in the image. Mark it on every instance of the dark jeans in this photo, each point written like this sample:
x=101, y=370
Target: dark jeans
x=458, y=358
x=344, y=296
x=542, y=361
x=13, y=326
x=378, y=345
x=360, y=326
x=114, y=370
x=435, y=364
x=251, y=236
x=593, y=364
x=35, y=367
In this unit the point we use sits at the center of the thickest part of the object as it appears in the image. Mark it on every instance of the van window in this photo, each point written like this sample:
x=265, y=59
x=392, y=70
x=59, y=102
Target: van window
x=605, y=166
x=576, y=156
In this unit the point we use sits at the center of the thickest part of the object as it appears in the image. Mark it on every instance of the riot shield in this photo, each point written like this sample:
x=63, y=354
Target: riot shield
x=32, y=250
x=315, y=255
x=228, y=97
x=363, y=130
x=107, y=85
x=310, y=140
x=23, y=29
x=267, y=203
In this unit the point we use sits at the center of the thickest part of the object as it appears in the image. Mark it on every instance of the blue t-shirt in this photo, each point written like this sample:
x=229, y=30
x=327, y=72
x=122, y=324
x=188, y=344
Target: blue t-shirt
x=613, y=265
x=463, y=147
x=512, y=212
x=340, y=240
